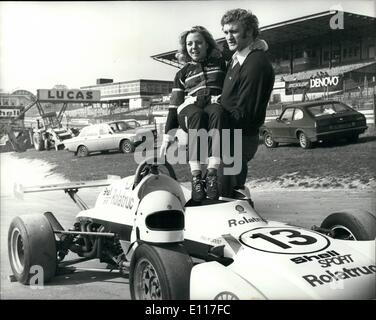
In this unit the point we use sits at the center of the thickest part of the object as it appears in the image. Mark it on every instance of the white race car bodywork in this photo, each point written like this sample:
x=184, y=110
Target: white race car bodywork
x=266, y=259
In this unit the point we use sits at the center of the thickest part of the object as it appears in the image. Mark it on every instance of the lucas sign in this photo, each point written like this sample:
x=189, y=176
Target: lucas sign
x=66, y=95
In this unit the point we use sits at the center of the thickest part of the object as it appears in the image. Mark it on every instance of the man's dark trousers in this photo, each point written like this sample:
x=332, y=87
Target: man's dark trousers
x=229, y=182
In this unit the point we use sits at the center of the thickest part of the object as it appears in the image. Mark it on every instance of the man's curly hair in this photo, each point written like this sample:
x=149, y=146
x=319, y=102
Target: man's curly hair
x=213, y=49
x=246, y=18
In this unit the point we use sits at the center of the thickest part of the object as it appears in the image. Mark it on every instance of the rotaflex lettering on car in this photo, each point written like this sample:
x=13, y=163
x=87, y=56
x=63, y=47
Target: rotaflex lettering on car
x=345, y=273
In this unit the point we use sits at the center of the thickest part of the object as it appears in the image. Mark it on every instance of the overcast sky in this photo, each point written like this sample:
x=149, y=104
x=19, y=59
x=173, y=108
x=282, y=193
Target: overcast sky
x=74, y=43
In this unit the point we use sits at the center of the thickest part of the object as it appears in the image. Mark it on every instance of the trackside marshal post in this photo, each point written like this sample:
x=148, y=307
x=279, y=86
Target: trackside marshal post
x=66, y=95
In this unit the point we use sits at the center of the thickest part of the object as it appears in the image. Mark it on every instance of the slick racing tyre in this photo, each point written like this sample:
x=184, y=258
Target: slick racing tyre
x=351, y=225
x=32, y=248
x=160, y=273
x=127, y=146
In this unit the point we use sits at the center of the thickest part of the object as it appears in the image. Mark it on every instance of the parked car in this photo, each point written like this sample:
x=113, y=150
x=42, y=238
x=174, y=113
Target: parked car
x=315, y=121
x=123, y=135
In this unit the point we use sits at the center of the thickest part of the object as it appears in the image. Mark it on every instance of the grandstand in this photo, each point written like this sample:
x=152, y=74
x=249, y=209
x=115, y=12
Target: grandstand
x=130, y=95
x=316, y=56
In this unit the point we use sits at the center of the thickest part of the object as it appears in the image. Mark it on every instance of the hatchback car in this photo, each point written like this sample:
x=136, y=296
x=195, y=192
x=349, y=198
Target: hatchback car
x=123, y=135
x=315, y=121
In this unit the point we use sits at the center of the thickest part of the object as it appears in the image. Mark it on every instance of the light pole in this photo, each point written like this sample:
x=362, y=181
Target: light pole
x=293, y=89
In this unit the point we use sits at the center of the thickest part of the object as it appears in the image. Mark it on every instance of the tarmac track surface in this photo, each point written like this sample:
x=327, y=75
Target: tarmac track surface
x=296, y=206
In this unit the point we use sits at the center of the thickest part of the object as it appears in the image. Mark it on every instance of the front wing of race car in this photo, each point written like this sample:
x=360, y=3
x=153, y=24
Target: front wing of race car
x=220, y=283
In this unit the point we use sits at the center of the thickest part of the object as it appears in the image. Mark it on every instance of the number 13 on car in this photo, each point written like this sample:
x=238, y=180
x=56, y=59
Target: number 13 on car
x=284, y=240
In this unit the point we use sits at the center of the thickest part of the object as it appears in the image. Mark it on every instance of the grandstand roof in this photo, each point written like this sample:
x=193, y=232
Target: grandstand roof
x=295, y=30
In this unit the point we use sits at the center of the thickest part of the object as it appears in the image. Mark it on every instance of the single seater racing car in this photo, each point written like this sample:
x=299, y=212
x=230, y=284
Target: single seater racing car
x=173, y=248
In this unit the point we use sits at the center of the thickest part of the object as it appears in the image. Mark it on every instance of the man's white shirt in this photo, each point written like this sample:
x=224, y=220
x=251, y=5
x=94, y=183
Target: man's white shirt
x=240, y=56
x=243, y=54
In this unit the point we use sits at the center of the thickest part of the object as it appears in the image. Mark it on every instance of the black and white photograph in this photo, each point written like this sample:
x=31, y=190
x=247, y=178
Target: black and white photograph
x=188, y=150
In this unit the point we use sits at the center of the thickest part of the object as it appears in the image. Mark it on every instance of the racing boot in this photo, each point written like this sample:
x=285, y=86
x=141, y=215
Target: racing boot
x=198, y=191
x=212, y=184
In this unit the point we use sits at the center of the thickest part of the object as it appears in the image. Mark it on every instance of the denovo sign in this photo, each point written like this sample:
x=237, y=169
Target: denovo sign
x=316, y=84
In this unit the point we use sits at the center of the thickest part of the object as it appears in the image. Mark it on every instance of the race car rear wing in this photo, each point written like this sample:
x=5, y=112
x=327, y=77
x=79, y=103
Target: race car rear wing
x=19, y=189
x=69, y=187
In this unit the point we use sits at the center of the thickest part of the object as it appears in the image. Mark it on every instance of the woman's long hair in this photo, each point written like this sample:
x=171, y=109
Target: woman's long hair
x=213, y=49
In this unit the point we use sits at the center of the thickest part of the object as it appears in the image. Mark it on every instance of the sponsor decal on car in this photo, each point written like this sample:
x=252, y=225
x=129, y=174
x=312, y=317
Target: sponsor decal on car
x=325, y=263
x=284, y=240
x=122, y=200
x=345, y=273
x=214, y=241
x=117, y=198
x=326, y=259
x=234, y=222
x=107, y=191
x=239, y=208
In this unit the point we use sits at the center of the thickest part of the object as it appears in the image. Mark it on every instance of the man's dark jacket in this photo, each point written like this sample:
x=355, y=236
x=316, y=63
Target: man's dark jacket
x=246, y=92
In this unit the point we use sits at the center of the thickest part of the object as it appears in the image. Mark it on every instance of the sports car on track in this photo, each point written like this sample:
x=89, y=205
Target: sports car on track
x=146, y=225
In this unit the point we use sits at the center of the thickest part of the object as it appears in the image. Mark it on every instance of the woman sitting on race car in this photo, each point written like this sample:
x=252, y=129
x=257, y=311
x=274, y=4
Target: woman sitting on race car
x=194, y=105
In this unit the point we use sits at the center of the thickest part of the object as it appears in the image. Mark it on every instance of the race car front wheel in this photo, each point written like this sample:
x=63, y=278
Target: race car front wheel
x=351, y=225
x=160, y=273
x=32, y=249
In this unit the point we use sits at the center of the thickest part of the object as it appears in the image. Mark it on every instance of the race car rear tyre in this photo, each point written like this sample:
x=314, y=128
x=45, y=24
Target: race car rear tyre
x=38, y=142
x=82, y=151
x=127, y=146
x=32, y=249
x=351, y=225
x=160, y=273
x=269, y=141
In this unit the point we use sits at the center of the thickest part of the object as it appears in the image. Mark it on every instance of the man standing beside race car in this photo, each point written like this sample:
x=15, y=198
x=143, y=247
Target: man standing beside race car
x=246, y=91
